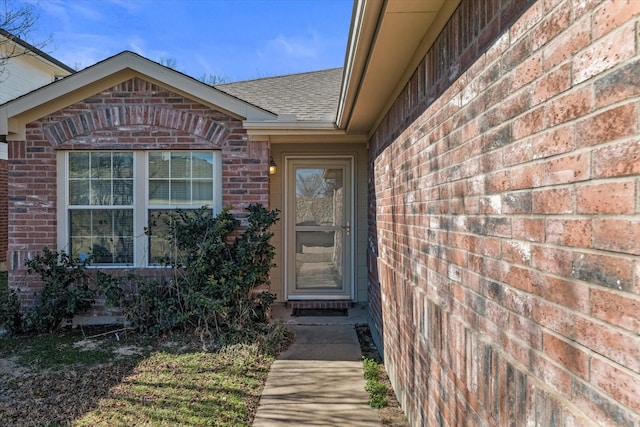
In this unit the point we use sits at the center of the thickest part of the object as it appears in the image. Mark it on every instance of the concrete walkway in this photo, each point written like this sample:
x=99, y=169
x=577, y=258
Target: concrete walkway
x=318, y=381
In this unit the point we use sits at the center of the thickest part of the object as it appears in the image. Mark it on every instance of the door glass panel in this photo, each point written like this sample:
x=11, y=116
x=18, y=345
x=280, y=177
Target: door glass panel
x=319, y=197
x=319, y=226
x=318, y=259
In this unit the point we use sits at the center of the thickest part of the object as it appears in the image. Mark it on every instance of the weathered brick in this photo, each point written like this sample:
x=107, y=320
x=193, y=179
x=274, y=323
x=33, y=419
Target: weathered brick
x=608, y=341
x=528, y=123
x=569, y=232
x=551, y=84
x=605, y=53
x=606, y=198
x=610, y=125
x=530, y=229
x=617, y=235
x=567, y=169
x=599, y=407
x=616, y=308
x=567, y=354
x=568, y=294
x=602, y=269
x=567, y=43
x=617, y=85
x=612, y=15
x=551, y=375
x=554, y=201
x=572, y=105
x=619, y=159
x=527, y=170
x=620, y=385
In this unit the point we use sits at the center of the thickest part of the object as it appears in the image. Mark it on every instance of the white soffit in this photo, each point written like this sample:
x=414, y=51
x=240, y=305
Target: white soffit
x=401, y=31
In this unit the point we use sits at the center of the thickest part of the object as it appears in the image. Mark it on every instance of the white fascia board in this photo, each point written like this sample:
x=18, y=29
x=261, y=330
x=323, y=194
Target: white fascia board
x=126, y=63
x=4, y=122
x=288, y=126
x=195, y=89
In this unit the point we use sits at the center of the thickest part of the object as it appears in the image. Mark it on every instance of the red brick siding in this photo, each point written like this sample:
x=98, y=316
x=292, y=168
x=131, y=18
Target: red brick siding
x=3, y=212
x=132, y=115
x=505, y=219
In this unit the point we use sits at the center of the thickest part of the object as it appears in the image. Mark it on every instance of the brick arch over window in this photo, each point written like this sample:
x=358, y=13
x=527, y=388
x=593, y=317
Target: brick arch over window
x=135, y=115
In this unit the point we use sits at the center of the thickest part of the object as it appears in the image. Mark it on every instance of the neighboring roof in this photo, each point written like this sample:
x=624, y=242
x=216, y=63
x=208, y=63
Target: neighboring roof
x=114, y=70
x=17, y=40
x=311, y=96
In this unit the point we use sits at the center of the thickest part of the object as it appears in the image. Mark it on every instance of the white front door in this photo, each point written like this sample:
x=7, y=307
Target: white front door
x=319, y=221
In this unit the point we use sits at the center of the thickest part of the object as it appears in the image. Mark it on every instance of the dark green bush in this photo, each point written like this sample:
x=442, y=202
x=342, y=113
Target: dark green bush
x=10, y=317
x=65, y=293
x=213, y=270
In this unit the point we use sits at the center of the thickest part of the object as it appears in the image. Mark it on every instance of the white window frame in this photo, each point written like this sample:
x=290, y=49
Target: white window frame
x=141, y=204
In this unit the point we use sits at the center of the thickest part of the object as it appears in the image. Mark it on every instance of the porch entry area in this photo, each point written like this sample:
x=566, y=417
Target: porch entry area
x=318, y=231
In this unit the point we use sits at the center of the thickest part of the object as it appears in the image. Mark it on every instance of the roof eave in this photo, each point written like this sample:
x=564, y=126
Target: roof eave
x=388, y=39
x=283, y=131
x=110, y=72
x=53, y=62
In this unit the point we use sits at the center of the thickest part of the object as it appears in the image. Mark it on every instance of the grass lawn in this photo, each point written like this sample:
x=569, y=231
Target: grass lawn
x=123, y=380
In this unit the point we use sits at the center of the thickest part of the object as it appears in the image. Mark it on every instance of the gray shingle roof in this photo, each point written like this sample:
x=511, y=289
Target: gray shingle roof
x=311, y=96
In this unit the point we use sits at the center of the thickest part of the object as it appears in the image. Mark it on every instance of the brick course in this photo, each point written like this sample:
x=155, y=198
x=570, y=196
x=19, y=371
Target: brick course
x=133, y=115
x=504, y=268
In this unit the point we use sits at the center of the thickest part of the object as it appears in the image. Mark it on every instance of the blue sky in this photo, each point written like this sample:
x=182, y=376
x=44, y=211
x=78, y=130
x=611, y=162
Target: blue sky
x=233, y=39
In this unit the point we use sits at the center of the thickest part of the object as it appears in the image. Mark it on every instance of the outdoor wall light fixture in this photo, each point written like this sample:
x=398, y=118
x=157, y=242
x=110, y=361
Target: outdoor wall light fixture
x=272, y=166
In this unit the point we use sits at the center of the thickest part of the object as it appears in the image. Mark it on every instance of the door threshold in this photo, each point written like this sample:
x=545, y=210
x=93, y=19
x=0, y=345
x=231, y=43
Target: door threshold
x=332, y=304
x=299, y=306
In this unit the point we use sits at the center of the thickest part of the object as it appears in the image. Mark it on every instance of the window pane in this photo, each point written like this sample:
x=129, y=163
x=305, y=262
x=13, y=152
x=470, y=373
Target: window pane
x=101, y=192
x=123, y=192
x=202, y=193
x=80, y=222
x=102, y=223
x=123, y=165
x=101, y=165
x=180, y=165
x=107, y=234
x=79, y=165
x=124, y=250
x=158, y=230
x=80, y=246
x=123, y=222
x=180, y=193
x=159, y=165
x=159, y=192
x=202, y=165
x=79, y=192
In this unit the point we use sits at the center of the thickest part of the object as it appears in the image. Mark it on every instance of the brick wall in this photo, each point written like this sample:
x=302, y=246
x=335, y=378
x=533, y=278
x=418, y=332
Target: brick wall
x=505, y=219
x=132, y=115
x=3, y=215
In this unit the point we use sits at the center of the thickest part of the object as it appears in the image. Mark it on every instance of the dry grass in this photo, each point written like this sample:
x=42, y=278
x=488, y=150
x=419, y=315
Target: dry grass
x=69, y=380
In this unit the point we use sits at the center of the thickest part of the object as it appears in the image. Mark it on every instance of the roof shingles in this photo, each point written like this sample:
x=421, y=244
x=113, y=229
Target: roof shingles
x=311, y=96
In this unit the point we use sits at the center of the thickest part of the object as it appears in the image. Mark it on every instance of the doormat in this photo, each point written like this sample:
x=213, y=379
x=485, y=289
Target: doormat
x=320, y=312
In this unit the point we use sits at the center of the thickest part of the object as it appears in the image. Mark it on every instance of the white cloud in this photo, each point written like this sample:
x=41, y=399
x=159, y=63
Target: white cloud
x=296, y=47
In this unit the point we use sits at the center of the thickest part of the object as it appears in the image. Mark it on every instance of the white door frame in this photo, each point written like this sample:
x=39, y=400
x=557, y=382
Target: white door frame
x=291, y=161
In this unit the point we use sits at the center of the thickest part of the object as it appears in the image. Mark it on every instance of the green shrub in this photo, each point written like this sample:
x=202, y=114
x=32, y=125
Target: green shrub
x=149, y=306
x=65, y=293
x=213, y=269
x=10, y=317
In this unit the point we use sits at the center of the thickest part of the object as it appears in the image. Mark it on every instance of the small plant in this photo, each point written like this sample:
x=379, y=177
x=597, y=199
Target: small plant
x=377, y=391
x=65, y=293
x=10, y=317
